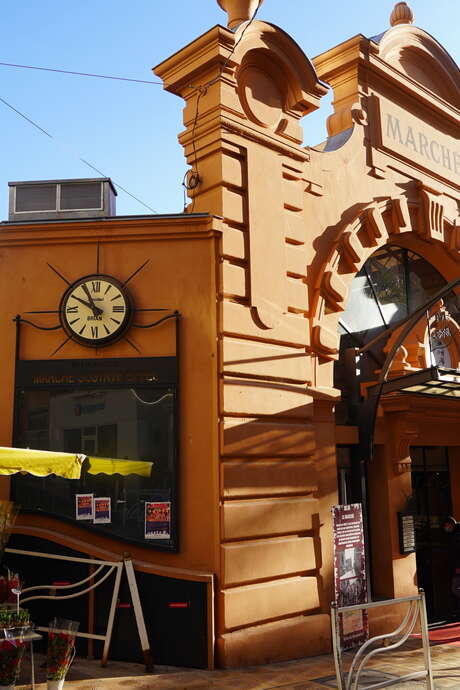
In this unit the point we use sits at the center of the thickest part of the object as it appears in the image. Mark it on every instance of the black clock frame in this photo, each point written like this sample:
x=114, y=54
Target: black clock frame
x=121, y=330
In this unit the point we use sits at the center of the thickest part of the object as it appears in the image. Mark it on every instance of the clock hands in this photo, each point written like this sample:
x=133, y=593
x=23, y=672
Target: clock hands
x=96, y=311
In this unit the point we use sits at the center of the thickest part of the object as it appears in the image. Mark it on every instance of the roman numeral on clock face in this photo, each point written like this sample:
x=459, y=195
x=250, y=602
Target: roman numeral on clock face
x=118, y=308
x=72, y=310
x=94, y=331
x=96, y=285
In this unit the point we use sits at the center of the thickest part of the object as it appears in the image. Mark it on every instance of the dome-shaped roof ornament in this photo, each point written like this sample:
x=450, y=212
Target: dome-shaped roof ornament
x=239, y=11
x=402, y=14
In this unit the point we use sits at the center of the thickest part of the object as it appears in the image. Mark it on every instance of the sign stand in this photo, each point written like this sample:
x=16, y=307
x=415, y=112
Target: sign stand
x=95, y=578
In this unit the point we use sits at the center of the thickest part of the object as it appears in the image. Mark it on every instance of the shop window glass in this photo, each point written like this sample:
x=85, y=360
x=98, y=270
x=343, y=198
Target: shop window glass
x=362, y=312
x=127, y=424
x=391, y=284
x=386, y=274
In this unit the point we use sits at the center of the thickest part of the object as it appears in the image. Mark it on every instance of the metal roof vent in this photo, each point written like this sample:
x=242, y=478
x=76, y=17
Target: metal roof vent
x=61, y=199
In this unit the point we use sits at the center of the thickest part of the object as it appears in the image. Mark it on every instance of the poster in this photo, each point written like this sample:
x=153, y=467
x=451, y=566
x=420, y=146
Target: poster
x=84, y=506
x=102, y=510
x=157, y=520
x=350, y=573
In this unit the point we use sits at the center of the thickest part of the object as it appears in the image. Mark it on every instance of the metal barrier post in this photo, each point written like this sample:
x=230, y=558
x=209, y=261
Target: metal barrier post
x=140, y=622
x=113, y=605
x=336, y=646
x=416, y=610
x=425, y=640
x=95, y=578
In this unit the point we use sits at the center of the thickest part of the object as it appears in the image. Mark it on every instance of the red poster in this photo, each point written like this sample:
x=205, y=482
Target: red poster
x=102, y=510
x=84, y=506
x=350, y=573
x=157, y=520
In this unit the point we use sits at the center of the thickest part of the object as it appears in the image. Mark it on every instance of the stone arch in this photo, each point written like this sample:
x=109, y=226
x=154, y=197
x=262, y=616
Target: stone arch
x=371, y=228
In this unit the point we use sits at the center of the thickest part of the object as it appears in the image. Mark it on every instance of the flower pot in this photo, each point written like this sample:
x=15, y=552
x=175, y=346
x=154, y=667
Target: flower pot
x=55, y=684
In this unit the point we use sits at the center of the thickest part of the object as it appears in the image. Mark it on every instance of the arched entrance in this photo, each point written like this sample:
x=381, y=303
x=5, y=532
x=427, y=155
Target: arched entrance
x=391, y=285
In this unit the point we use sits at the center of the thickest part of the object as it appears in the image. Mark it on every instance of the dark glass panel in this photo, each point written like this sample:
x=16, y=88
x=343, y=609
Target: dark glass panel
x=362, y=312
x=387, y=275
x=424, y=280
x=117, y=423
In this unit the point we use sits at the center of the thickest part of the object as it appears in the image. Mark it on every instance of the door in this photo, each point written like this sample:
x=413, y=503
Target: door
x=432, y=504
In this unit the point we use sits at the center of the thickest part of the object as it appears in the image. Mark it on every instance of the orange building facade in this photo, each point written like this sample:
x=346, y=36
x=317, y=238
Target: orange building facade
x=287, y=256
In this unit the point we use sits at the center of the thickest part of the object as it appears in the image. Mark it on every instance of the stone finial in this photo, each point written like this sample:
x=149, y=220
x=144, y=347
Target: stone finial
x=239, y=11
x=402, y=14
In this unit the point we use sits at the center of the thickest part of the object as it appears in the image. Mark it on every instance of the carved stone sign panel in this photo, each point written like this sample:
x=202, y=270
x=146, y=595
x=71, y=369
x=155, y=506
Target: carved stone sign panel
x=412, y=138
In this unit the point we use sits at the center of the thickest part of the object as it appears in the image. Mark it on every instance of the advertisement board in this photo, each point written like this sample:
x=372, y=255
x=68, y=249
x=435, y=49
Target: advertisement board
x=350, y=582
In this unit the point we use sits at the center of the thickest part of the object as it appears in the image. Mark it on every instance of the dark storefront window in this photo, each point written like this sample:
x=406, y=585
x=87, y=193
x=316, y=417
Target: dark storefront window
x=127, y=423
x=431, y=503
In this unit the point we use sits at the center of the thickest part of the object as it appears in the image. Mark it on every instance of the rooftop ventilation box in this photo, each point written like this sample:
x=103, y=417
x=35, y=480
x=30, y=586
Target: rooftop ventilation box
x=61, y=199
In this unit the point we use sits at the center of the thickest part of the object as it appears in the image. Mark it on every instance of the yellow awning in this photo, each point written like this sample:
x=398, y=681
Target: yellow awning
x=123, y=467
x=40, y=463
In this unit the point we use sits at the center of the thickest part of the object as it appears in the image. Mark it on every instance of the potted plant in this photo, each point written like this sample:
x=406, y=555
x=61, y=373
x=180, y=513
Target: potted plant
x=61, y=651
x=11, y=652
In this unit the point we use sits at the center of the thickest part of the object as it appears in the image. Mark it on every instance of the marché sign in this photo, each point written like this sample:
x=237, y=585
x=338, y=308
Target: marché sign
x=412, y=138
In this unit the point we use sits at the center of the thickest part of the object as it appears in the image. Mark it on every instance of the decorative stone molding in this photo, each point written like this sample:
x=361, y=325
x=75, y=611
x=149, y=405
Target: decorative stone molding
x=403, y=466
x=239, y=11
x=352, y=250
x=325, y=342
x=334, y=290
x=375, y=226
x=415, y=53
x=453, y=241
x=355, y=242
x=431, y=221
x=402, y=444
x=400, y=215
x=359, y=115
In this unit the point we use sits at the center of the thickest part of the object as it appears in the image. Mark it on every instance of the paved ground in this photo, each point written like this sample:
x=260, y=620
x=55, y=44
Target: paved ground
x=316, y=673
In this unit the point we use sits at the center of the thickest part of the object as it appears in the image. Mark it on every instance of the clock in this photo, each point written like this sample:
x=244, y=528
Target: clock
x=96, y=310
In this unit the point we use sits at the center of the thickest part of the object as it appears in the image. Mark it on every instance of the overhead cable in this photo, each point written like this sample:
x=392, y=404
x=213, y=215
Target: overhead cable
x=80, y=74
x=74, y=152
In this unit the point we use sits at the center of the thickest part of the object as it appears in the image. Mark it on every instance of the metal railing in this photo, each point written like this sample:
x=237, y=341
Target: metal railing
x=388, y=642
x=103, y=571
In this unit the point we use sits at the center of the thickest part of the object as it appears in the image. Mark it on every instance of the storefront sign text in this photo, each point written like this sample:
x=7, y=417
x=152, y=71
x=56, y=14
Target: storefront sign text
x=424, y=145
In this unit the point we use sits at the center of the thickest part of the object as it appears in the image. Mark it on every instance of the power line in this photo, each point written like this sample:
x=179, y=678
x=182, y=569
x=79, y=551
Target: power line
x=74, y=152
x=80, y=74
x=201, y=90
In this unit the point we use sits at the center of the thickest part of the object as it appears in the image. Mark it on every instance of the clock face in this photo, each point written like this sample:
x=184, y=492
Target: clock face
x=96, y=310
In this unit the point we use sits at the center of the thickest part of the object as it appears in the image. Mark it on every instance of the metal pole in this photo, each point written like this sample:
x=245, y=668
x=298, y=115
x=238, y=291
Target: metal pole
x=336, y=649
x=425, y=641
x=32, y=663
x=140, y=622
x=90, y=648
x=113, y=605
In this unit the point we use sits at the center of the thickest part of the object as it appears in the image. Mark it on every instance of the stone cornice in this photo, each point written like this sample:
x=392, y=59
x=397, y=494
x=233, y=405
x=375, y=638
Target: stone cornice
x=111, y=230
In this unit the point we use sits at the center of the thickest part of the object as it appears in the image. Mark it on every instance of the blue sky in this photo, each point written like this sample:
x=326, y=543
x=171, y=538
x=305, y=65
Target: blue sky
x=129, y=131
